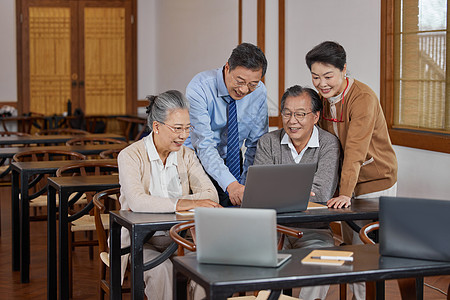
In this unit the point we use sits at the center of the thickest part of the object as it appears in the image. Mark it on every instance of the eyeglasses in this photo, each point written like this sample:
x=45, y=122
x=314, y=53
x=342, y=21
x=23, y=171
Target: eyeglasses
x=179, y=129
x=250, y=86
x=299, y=116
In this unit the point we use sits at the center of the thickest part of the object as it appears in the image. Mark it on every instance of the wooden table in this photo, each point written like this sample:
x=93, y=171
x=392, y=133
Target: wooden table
x=220, y=281
x=20, y=214
x=65, y=186
x=142, y=226
x=51, y=139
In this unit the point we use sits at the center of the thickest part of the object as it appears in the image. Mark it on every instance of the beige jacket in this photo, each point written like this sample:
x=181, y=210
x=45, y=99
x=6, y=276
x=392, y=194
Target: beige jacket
x=134, y=179
x=369, y=163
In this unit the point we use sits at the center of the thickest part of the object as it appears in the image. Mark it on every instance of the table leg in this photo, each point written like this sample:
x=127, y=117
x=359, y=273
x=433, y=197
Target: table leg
x=379, y=286
x=419, y=288
x=180, y=283
x=115, y=288
x=15, y=220
x=63, y=246
x=24, y=229
x=137, y=261
x=51, y=245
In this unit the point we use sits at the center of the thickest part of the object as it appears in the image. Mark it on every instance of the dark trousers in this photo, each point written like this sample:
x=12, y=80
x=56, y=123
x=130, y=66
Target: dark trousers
x=224, y=200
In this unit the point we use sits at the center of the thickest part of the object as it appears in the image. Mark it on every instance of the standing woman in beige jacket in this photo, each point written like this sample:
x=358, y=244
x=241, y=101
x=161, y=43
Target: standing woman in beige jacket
x=158, y=174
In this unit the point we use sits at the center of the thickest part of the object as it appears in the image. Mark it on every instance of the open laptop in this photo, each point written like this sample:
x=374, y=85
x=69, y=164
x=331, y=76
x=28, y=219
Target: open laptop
x=415, y=228
x=285, y=188
x=245, y=237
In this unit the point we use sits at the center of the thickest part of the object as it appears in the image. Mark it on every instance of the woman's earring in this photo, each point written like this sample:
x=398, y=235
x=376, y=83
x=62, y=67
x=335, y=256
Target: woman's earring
x=156, y=131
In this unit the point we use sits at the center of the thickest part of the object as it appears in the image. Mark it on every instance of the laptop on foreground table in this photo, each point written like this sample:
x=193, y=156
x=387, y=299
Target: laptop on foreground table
x=415, y=228
x=285, y=188
x=245, y=237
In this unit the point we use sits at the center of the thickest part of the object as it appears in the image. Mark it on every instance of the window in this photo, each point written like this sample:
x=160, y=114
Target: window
x=415, y=83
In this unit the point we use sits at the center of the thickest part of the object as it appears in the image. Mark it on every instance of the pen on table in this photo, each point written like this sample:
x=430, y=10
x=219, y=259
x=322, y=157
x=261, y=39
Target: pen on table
x=324, y=257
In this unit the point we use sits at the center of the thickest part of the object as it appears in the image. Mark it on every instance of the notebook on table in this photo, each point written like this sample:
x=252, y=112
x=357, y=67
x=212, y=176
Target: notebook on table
x=285, y=188
x=245, y=237
x=415, y=228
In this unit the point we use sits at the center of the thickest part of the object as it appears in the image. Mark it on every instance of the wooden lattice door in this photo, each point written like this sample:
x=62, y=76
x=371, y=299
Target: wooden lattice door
x=80, y=50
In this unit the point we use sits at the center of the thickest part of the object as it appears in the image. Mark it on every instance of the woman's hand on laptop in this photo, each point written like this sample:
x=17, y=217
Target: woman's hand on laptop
x=235, y=192
x=339, y=202
x=186, y=204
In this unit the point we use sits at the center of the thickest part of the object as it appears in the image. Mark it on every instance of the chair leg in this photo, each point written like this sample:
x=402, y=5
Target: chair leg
x=101, y=294
x=91, y=248
x=343, y=291
x=370, y=290
x=448, y=292
x=407, y=288
x=70, y=239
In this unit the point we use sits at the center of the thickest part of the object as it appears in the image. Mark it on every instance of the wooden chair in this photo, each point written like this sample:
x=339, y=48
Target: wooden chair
x=68, y=131
x=186, y=244
x=104, y=202
x=85, y=221
x=132, y=126
x=110, y=154
x=407, y=286
x=94, y=141
x=5, y=163
x=13, y=133
x=38, y=184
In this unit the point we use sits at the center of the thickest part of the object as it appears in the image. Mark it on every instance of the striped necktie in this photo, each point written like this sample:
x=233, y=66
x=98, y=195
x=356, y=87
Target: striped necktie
x=233, y=158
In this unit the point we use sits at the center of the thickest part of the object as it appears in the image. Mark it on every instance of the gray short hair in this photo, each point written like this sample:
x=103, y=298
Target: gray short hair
x=296, y=90
x=159, y=106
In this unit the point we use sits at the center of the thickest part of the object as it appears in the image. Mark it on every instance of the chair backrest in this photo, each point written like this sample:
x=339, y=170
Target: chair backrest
x=88, y=168
x=93, y=141
x=69, y=131
x=186, y=244
x=13, y=133
x=46, y=155
x=132, y=126
x=366, y=230
x=104, y=202
x=110, y=154
x=39, y=182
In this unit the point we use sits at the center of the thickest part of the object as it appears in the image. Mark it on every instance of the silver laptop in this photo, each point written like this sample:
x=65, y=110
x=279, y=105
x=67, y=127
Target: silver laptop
x=285, y=188
x=245, y=237
x=415, y=228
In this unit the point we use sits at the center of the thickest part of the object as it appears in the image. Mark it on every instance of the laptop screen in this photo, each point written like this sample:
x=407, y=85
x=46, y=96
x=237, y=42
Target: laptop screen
x=415, y=228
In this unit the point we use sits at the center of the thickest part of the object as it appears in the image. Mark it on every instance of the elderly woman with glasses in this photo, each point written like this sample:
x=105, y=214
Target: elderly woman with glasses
x=158, y=174
x=353, y=113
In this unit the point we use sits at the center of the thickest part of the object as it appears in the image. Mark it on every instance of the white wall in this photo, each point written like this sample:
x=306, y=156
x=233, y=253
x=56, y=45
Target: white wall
x=423, y=173
x=8, y=67
x=355, y=24
x=191, y=36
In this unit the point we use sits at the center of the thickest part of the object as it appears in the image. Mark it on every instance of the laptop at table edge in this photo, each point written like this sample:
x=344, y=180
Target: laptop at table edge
x=256, y=244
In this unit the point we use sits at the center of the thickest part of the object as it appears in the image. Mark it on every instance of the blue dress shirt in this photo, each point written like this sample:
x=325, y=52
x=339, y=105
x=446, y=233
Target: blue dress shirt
x=209, y=97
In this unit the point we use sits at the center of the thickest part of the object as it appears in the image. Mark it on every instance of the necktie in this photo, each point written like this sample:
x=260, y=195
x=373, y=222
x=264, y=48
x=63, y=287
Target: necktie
x=233, y=158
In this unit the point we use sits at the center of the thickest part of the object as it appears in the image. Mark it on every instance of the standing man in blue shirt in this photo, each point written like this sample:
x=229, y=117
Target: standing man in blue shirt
x=220, y=99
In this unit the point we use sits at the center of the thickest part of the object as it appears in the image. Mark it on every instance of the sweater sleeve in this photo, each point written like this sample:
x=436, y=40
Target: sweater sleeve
x=200, y=185
x=327, y=173
x=264, y=154
x=362, y=114
x=134, y=196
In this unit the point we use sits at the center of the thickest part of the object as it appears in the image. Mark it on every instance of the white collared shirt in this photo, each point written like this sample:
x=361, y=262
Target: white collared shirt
x=312, y=143
x=165, y=181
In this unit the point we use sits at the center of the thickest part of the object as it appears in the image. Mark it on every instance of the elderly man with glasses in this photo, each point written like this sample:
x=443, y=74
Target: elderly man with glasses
x=301, y=141
x=228, y=107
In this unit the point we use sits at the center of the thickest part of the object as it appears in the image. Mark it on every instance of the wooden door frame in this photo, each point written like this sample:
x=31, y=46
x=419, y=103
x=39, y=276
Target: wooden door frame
x=23, y=72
